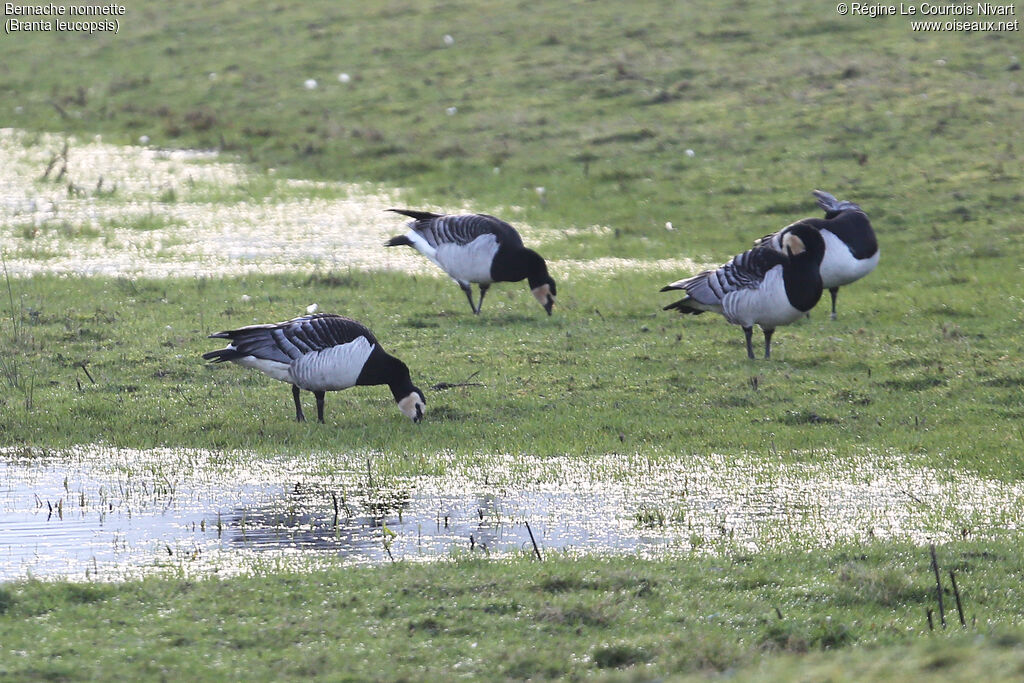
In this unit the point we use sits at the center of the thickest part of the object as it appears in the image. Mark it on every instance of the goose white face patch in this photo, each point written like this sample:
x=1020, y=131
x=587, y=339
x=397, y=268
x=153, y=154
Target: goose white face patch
x=413, y=407
x=543, y=295
x=794, y=244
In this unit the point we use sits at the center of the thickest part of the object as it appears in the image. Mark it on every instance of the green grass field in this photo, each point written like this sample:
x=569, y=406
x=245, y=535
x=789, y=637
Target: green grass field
x=600, y=104
x=847, y=614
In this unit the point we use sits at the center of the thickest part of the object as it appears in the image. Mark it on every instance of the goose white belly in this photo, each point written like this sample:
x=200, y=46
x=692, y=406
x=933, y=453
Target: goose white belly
x=331, y=369
x=767, y=306
x=271, y=368
x=469, y=262
x=840, y=267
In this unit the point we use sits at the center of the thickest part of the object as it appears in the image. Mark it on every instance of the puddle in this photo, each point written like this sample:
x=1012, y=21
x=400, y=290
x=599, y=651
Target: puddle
x=166, y=213
x=111, y=514
x=137, y=211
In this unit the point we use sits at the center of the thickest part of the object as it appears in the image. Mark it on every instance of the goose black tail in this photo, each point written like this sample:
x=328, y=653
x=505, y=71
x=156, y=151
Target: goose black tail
x=418, y=215
x=400, y=241
x=832, y=206
x=683, y=306
x=221, y=355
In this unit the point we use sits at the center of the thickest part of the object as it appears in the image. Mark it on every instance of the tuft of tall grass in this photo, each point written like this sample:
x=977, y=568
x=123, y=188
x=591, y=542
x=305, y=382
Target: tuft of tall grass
x=11, y=340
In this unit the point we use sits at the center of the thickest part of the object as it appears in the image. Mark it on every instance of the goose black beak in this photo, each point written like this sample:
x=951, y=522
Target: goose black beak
x=549, y=305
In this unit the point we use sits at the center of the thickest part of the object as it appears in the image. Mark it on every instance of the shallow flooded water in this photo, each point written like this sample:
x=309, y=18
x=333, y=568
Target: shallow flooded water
x=91, y=208
x=111, y=514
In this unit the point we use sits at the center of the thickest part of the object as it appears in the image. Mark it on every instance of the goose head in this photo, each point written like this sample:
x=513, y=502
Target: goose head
x=804, y=239
x=545, y=294
x=413, y=405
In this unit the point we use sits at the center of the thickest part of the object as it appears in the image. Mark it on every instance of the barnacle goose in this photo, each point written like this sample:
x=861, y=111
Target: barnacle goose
x=851, y=250
x=761, y=286
x=320, y=353
x=477, y=248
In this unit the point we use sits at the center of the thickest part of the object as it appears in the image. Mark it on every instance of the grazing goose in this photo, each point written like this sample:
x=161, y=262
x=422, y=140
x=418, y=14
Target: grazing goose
x=851, y=250
x=320, y=353
x=477, y=248
x=761, y=286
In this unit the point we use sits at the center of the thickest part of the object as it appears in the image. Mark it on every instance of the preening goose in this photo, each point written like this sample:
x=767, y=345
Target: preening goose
x=477, y=248
x=851, y=249
x=320, y=353
x=760, y=287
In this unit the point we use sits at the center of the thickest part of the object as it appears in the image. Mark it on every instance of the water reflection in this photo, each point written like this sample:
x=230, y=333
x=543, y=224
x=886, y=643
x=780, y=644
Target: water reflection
x=103, y=513
x=412, y=524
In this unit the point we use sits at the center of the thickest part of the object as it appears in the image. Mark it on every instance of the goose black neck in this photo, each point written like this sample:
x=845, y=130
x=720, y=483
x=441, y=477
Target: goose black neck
x=383, y=368
x=512, y=265
x=802, y=278
x=854, y=229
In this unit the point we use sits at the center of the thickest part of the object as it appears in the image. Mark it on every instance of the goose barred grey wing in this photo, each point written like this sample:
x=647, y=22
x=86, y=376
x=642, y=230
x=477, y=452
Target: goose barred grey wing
x=744, y=271
x=286, y=341
x=460, y=230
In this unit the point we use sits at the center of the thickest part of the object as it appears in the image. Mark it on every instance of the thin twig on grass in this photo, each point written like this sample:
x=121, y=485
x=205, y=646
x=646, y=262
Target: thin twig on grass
x=440, y=386
x=938, y=586
x=956, y=594
x=534, y=542
x=912, y=497
x=86, y=370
